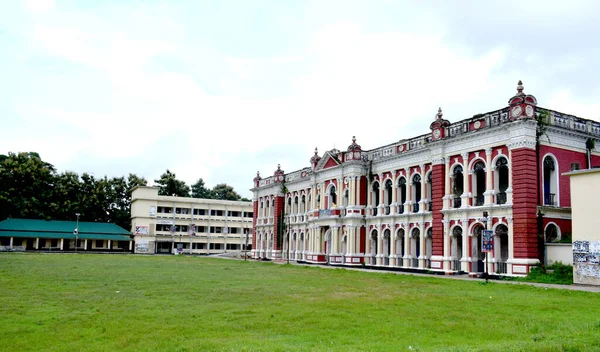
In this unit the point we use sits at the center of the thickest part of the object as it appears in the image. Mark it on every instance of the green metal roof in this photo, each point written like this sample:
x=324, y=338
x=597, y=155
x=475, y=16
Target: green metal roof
x=61, y=226
x=62, y=229
x=85, y=236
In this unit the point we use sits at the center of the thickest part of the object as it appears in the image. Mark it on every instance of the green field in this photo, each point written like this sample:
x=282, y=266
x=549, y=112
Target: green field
x=68, y=302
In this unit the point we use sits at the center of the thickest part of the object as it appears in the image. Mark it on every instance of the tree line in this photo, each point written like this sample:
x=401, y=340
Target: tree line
x=31, y=188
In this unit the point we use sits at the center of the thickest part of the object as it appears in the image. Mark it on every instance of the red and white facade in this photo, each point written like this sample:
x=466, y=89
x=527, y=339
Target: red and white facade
x=418, y=204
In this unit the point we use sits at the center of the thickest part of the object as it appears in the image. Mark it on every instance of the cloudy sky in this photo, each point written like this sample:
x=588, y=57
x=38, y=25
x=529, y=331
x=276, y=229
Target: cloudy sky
x=221, y=89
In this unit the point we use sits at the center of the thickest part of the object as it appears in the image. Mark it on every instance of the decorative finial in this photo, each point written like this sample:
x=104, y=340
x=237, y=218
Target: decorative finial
x=439, y=114
x=257, y=173
x=353, y=139
x=316, y=151
x=520, y=88
x=278, y=166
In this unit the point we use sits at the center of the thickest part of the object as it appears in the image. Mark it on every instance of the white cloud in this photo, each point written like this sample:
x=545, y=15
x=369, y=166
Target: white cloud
x=204, y=116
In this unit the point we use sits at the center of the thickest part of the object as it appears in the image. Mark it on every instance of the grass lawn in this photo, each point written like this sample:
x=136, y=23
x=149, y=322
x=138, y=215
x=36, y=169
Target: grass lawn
x=66, y=302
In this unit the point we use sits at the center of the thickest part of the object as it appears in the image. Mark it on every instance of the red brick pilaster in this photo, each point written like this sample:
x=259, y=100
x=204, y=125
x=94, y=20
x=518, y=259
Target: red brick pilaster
x=278, y=203
x=525, y=191
x=437, y=193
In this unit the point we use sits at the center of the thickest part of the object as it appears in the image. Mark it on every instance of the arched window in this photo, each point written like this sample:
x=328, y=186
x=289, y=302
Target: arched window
x=415, y=248
x=375, y=197
x=388, y=196
x=402, y=194
x=479, y=182
x=416, y=192
x=295, y=209
x=303, y=205
x=289, y=209
x=456, y=249
x=550, y=181
x=332, y=197
x=429, y=191
x=552, y=233
x=501, y=180
x=457, y=185
x=346, y=198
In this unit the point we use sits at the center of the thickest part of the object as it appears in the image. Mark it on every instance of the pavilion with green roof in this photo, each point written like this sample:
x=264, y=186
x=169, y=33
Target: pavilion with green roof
x=54, y=235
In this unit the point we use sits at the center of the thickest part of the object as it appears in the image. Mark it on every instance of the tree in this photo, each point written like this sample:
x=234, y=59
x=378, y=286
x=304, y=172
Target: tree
x=225, y=192
x=169, y=185
x=199, y=190
x=26, y=186
x=65, y=202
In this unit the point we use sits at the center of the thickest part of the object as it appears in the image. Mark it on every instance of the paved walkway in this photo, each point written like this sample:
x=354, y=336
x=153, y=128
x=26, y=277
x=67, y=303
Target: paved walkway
x=465, y=277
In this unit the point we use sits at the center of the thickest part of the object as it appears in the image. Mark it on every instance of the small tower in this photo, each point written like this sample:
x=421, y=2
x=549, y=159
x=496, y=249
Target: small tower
x=522, y=106
x=438, y=126
x=315, y=158
x=257, y=179
x=354, y=151
x=279, y=174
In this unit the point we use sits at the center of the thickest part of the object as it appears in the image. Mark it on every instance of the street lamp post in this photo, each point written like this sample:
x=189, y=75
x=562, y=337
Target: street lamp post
x=486, y=244
x=76, y=232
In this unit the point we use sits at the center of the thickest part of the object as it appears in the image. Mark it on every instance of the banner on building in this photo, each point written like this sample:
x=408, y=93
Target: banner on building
x=141, y=246
x=487, y=241
x=164, y=222
x=192, y=230
x=141, y=230
x=152, y=211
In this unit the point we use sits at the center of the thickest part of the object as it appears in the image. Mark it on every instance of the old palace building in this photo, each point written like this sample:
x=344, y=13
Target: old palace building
x=419, y=203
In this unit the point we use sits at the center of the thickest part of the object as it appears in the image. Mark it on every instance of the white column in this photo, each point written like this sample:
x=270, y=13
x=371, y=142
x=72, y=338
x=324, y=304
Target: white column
x=422, y=203
x=11, y=242
x=489, y=181
x=466, y=251
x=85, y=244
x=379, y=260
x=447, y=182
x=358, y=200
x=407, y=253
x=511, y=244
x=37, y=243
x=422, y=245
x=407, y=207
x=447, y=250
x=394, y=203
x=61, y=243
x=509, y=197
x=466, y=196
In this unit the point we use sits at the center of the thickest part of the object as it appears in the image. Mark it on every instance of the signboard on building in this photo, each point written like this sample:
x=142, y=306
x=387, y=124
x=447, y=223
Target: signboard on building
x=164, y=222
x=152, y=211
x=487, y=241
x=141, y=246
x=192, y=230
x=141, y=230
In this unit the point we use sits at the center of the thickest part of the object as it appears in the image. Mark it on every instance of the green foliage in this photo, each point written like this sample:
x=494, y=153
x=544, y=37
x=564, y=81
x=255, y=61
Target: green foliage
x=590, y=144
x=543, y=121
x=31, y=188
x=224, y=192
x=557, y=273
x=91, y=303
x=199, y=190
x=169, y=185
x=26, y=184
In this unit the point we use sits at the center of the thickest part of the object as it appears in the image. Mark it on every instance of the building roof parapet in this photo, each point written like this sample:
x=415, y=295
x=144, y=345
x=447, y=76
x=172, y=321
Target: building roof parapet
x=460, y=128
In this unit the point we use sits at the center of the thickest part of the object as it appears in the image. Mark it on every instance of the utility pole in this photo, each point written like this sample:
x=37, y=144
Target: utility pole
x=76, y=232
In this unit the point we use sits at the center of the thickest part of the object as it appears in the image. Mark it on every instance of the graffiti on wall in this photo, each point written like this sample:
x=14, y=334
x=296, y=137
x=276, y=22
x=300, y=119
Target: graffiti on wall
x=586, y=259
